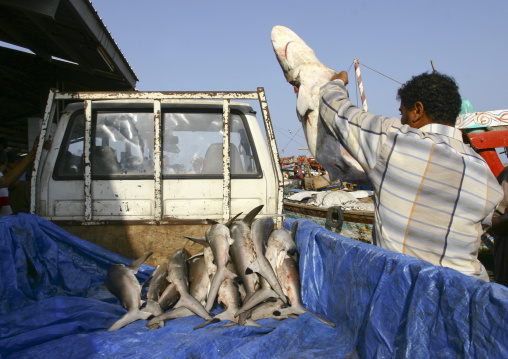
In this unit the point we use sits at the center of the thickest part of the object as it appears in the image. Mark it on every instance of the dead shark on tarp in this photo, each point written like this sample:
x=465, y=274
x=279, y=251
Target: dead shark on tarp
x=122, y=282
x=198, y=288
x=179, y=276
x=218, y=238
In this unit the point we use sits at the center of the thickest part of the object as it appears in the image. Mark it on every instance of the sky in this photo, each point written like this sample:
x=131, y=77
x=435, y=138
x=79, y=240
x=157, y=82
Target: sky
x=225, y=45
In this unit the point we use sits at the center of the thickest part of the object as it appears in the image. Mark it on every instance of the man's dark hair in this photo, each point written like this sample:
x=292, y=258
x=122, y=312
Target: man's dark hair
x=438, y=93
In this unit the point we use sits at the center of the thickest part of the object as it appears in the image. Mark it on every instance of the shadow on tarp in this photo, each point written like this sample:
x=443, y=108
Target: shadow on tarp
x=53, y=304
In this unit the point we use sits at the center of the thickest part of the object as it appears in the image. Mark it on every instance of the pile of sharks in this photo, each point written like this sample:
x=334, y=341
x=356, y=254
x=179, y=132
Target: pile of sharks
x=246, y=266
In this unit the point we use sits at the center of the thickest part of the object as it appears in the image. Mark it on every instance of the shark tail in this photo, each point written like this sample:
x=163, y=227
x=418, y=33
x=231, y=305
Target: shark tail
x=259, y=296
x=129, y=317
x=191, y=303
x=263, y=267
x=249, y=322
x=219, y=277
x=180, y=312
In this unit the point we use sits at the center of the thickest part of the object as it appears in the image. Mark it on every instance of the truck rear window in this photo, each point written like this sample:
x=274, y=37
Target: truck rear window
x=123, y=146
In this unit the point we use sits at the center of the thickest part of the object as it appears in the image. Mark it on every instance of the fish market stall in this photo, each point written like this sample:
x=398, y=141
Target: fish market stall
x=53, y=304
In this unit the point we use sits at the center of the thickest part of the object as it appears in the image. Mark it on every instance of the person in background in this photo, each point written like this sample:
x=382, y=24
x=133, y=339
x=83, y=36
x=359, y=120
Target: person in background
x=499, y=231
x=5, y=208
x=22, y=188
x=432, y=192
x=197, y=164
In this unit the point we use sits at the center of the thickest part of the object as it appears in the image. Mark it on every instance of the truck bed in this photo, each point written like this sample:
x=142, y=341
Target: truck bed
x=53, y=304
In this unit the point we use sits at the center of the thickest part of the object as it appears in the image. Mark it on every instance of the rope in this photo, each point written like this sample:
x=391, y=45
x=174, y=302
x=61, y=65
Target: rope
x=380, y=73
x=291, y=140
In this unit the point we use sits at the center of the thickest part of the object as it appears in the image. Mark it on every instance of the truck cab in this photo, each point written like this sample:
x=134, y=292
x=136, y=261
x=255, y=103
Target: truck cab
x=136, y=172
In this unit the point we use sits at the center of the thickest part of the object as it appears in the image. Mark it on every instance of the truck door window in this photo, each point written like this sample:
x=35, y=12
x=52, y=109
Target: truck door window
x=70, y=162
x=192, y=145
x=123, y=144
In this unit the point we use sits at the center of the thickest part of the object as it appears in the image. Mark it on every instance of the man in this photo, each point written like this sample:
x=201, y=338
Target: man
x=21, y=200
x=431, y=191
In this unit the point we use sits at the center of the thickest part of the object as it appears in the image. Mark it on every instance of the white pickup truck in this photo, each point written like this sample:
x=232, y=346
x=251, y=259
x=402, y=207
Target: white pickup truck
x=136, y=171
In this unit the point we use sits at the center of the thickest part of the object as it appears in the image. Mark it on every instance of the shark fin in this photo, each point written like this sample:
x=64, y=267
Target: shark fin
x=134, y=266
x=201, y=240
x=249, y=218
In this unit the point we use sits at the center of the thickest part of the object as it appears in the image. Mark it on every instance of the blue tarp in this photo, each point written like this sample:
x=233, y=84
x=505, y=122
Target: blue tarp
x=53, y=304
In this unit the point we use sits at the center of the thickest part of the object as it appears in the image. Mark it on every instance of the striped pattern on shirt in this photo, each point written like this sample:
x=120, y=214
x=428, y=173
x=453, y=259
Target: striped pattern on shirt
x=432, y=192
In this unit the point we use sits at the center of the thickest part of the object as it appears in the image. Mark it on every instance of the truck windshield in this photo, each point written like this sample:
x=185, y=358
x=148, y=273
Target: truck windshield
x=123, y=145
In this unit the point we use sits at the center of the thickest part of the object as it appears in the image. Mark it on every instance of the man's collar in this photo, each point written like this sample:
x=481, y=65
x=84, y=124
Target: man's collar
x=444, y=130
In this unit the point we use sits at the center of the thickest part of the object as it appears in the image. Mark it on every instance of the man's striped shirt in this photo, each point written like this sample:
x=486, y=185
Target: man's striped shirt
x=431, y=191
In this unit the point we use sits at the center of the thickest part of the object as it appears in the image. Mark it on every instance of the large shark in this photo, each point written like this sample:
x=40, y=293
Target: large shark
x=307, y=74
x=218, y=238
x=198, y=288
x=122, y=282
x=260, y=232
x=178, y=275
x=242, y=250
x=279, y=244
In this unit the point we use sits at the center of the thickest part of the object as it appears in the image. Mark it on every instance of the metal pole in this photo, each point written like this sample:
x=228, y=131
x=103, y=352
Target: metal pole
x=88, y=168
x=360, y=85
x=157, y=173
x=48, y=115
x=272, y=146
x=226, y=162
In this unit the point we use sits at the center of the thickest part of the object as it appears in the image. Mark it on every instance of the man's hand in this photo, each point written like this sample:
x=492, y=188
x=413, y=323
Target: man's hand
x=341, y=76
x=46, y=145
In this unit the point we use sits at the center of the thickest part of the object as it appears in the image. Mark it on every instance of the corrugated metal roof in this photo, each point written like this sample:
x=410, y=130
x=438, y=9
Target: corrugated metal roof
x=70, y=49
